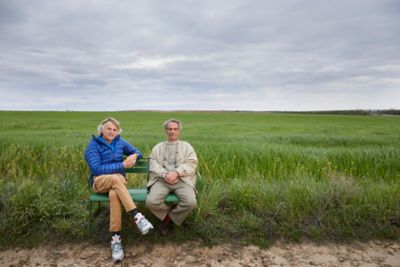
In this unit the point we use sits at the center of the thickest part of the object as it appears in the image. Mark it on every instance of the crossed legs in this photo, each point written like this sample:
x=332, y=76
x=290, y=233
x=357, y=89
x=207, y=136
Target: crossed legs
x=114, y=184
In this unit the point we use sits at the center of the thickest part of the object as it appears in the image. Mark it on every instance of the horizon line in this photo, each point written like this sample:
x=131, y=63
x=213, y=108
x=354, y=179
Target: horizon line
x=205, y=110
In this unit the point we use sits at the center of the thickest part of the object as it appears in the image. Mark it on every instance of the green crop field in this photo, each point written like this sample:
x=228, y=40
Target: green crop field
x=266, y=175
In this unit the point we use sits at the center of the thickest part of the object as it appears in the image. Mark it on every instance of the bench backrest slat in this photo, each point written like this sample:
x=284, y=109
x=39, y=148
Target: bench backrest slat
x=141, y=166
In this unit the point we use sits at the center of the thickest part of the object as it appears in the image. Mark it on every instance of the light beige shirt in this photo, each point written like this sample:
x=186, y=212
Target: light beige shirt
x=162, y=160
x=170, y=156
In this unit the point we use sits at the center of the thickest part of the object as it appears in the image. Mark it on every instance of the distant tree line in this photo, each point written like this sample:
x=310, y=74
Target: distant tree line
x=350, y=112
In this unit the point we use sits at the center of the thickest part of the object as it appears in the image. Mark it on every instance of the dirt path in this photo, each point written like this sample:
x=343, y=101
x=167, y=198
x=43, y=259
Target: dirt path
x=373, y=253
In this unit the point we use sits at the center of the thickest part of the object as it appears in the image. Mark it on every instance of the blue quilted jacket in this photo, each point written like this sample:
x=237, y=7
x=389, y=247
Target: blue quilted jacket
x=105, y=158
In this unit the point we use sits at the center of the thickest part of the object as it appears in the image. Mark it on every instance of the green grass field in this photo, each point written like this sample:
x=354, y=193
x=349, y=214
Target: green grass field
x=266, y=176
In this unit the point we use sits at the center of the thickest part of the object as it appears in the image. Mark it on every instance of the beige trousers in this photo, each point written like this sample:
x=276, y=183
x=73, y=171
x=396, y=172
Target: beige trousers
x=114, y=184
x=160, y=190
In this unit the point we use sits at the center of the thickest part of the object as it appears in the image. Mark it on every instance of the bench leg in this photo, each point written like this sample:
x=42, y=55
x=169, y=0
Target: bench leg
x=90, y=216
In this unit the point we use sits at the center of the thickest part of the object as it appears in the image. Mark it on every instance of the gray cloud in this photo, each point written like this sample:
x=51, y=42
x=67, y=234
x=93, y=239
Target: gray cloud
x=249, y=55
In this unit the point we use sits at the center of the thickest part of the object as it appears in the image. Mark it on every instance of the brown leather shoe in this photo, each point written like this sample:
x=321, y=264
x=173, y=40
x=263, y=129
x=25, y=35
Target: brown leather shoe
x=165, y=228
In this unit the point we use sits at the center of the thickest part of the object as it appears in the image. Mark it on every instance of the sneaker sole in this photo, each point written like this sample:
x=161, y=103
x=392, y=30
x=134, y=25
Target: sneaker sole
x=119, y=260
x=147, y=230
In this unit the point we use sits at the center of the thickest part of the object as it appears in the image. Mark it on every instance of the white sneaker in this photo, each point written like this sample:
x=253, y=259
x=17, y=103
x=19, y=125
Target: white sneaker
x=143, y=224
x=117, y=251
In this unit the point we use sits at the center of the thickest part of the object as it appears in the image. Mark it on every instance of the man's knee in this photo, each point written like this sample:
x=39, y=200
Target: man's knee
x=190, y=203
x=193, y=204
x=150, y=201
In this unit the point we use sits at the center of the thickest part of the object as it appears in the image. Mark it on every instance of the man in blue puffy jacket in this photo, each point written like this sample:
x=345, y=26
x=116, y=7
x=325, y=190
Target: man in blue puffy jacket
x=104, y=155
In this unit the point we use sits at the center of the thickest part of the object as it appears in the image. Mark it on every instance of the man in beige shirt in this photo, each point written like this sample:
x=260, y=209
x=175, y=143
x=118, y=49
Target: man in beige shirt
x=172, y=169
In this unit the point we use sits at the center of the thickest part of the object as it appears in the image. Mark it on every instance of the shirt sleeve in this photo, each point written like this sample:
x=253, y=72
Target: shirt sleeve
x=189, y=164
x=155, y=166
x=96, y=166
x=129, y=149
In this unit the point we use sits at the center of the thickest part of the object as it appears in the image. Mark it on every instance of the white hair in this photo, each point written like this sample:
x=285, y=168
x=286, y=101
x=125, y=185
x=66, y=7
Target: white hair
x=116, y=123
x=173, y=120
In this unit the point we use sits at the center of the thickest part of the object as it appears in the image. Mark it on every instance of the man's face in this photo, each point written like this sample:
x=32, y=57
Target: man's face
x=173, y=131
x=110, y=131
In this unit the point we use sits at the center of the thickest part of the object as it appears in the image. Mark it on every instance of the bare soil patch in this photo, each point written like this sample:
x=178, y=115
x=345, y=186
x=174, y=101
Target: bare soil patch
x=366, y=254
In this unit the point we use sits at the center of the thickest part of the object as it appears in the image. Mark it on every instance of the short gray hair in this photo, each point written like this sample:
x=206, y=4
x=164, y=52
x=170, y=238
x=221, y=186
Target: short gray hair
x=180, y=125
x=100, y=128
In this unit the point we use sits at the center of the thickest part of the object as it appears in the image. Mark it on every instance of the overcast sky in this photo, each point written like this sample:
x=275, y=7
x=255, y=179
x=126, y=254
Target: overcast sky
x=199, y=55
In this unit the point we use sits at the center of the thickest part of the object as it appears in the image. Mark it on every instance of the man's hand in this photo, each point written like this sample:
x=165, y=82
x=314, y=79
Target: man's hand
x=130, y=161
x=171, y=177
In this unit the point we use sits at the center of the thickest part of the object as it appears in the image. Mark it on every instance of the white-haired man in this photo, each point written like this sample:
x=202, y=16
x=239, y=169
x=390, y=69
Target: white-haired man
x=104, y=155
x=172, y=169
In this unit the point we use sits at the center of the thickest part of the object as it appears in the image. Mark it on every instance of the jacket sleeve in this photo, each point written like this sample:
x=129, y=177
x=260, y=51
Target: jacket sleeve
x=93, y=158
x=129, y=149
x=155, y=166
x=189, y=164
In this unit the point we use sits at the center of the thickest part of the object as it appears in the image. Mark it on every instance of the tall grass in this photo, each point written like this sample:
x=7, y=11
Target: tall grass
x=265, y=176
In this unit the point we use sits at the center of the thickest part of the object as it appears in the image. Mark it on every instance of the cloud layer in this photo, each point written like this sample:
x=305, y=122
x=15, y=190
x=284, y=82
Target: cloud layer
x=196, y=55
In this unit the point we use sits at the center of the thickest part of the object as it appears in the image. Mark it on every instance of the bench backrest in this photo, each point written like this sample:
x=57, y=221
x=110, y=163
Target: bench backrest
x=141, y=166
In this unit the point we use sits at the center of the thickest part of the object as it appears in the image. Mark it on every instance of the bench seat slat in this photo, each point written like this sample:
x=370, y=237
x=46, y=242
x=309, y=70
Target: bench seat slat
x=137, y=194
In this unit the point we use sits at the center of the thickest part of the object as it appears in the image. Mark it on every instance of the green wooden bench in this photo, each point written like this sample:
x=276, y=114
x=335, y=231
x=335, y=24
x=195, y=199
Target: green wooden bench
x=138, y=195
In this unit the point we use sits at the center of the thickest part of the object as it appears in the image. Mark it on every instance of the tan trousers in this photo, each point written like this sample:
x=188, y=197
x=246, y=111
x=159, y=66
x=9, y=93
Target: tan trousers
x=114, y=184
x=159, y=191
